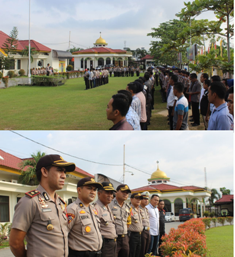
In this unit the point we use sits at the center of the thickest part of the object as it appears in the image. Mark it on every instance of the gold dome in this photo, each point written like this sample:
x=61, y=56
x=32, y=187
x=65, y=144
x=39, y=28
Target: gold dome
x=100, y=41
x=158, y=174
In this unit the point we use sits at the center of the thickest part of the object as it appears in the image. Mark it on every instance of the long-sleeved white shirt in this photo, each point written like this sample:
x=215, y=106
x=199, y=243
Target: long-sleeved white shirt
x=153, y=219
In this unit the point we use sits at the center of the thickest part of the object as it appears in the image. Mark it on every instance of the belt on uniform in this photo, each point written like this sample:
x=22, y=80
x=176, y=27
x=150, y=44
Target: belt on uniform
x=136, y=232
x=123, y=235
x=84, y=253
x=109, y=240
x=146, y=228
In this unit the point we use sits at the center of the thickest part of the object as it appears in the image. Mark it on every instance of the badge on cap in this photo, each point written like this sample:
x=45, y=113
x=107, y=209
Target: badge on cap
x=87, y=229
x=92, y=180
x=110, y=185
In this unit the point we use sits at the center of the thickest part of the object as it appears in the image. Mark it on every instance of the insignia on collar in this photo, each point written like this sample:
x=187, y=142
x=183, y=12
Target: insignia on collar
x=46, y=196
x=80, y=204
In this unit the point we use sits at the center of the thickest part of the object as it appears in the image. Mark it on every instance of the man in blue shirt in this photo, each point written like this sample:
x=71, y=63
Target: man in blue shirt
x=220, y=118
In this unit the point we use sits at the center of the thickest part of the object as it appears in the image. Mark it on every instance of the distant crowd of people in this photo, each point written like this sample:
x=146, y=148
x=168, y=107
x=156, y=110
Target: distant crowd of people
x=43, y=71
x=124, y=71
x=130, y=108
x=96, y=77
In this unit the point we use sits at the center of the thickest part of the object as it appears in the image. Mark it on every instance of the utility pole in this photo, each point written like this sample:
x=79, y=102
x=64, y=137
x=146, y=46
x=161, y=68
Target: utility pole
x=123, y=164
x=69, y=39
x=29, y=74
x=205, y=178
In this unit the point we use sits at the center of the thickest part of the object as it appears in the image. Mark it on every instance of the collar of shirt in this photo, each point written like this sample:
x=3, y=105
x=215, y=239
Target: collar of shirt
x=43, y=192
x=219, y=108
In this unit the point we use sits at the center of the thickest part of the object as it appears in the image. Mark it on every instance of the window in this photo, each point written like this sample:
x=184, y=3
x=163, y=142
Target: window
x=178, y=206
x=10, y=64
x=4, y=208
x=167, y=205
x=18, y=64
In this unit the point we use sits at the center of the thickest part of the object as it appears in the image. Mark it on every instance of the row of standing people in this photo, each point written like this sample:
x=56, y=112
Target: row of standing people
x=43, y=71
x=110, y=227
x=94, y=78
x=130, y=108
x=124, y=71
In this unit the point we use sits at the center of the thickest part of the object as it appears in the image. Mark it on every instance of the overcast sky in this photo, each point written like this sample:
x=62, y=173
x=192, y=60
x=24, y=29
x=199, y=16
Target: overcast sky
x=119, y=21
x=182, y=156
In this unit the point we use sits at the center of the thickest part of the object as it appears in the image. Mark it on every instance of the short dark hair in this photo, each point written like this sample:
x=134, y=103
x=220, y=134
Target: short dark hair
x=207, y=82
x=179, y=87
x=132, y=86
x=226, y=81
x=205, y=76
x=216, y=78
x=146, y=76
x=174, y=78
x=39, y=173
x=154, y=196
x=218, y=88
x=139, y=86
x=193, y=76
x=127, y=94
x=161, y=201
x=143, y=79
x=121, y=103
x=230, y=90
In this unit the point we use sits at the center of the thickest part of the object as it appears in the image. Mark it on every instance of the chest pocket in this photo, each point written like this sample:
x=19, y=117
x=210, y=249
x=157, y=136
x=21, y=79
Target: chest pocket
x=87, y=226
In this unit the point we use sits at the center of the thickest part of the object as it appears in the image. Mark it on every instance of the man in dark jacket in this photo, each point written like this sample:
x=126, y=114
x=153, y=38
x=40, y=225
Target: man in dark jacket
x=161, y=223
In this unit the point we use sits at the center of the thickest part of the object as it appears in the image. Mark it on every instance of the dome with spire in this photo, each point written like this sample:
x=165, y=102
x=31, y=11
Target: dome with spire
x=100, y=41
x=158, y=176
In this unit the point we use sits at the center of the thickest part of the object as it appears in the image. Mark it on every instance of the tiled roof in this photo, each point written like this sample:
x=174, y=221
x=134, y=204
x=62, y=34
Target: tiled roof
x=11, y=161
x=34, y=44
x=3, y=37
x=97, y=50
x=165, y=187
x=147, y=57
x=225, y=199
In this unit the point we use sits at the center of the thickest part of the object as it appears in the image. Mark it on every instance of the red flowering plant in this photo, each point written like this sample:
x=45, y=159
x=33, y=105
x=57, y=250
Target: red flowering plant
x=188, y=240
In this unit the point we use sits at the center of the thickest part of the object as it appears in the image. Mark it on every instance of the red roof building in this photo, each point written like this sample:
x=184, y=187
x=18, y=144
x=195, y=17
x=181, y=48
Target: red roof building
x=225, y=205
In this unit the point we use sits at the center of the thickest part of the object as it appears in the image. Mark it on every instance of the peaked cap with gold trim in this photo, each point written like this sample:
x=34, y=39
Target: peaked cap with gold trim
x=88, y=182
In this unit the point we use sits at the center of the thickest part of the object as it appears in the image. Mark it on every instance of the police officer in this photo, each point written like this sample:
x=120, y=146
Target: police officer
x=86, y=78
x=136, y=226
x=107, y=225
x=41, y=214
x=84, y=236
x=121, y=212
x=145, y=235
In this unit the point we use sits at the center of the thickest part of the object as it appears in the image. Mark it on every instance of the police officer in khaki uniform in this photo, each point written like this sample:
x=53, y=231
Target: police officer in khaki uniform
x=85, y=239
x=145, y=235
x=107, y=224
x=136, y=226
x=121, y=212
x=41, y=214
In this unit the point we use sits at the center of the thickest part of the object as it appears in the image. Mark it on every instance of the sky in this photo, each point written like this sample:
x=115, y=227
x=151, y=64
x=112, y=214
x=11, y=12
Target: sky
x=119, y=21
x=183, y=156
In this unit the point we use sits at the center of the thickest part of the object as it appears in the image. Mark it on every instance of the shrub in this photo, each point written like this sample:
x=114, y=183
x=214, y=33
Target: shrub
x=187, y=240
x=69, y=68
x=3, y=232
x=5, y=80
x=1, y=75
x=214, y=221
x=206, y=214
x=11, y=73
x=229, y=219
x=207, y=222
x=212, y=214
x=21, y=72
x=221, y=220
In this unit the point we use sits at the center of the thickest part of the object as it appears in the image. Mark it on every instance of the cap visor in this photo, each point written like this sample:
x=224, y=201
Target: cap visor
x=109, y=189
x=96, y=184
x=69, y=166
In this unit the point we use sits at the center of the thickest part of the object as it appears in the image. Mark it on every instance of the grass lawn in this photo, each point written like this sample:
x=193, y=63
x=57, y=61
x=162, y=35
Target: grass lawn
x=219, y=241
x=67, y=107
x=4, y=244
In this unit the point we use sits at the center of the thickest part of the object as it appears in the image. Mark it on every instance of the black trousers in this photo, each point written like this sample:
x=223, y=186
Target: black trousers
x=87, y=83
x=110, y=73
x=135, y=244
x=196, y=114
x=109, y=248
x=73, y=253
x=123, y=246
x=170, y=117
x=145, y=242
x=143, y=125
x=152, y=94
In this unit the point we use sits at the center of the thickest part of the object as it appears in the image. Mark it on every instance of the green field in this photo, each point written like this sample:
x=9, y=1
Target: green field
x=67, y=107
x=219, y=241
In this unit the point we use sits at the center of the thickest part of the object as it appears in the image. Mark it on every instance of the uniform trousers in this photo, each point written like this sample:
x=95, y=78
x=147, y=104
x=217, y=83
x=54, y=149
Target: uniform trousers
x=110, y=73
x=145, y=242
x=135, y=244
x=196, y=114
x=73, y=253
x=123, y=246
x=109, y=248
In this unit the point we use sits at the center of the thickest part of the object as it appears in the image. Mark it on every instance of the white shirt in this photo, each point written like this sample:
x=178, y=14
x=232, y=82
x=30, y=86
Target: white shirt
x=171, y=98
x=153, y=220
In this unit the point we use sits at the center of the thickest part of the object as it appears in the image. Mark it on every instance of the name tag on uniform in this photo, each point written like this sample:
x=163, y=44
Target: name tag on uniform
x=84, y=217
x=105, y=214
x=46, y=210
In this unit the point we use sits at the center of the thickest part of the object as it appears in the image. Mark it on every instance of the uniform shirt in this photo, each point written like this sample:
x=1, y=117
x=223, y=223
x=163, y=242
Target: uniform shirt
x=145, y=218
x=83, y=224
x=142, y=98
x=153, y=219
x=196, y=87
x=220, y=118
x=107, y=225
x=133, y=119
x=181, y=108
x=121, y=216
x=136, y=220
x=32, y=215
x=136, y=105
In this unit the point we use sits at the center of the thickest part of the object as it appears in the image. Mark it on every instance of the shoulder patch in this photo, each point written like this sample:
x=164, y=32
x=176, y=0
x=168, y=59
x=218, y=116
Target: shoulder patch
x=32, y=193
x=62, y=200
x=70, y=216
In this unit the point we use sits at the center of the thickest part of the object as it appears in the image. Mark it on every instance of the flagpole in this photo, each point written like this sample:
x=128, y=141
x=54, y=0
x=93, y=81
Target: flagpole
x=29, y=74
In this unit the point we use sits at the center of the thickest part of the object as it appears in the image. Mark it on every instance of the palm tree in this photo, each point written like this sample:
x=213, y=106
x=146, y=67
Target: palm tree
x=214, y=196
x=224, y=191
x=28, y=176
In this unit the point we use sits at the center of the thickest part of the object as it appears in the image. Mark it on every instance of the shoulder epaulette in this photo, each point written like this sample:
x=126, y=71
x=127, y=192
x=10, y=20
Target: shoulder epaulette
x=62, y=200
x=32, y=193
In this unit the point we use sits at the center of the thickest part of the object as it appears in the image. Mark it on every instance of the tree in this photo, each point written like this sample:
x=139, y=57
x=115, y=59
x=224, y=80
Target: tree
x=74, y=49
x=223, y=9
x=214, y=196
x=10, y=45
x=224, y=191
x=25, y=52
x=28, y=176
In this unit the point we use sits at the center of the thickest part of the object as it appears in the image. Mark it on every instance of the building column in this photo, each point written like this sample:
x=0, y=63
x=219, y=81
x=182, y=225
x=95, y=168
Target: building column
x=78, y=63
x=184, y=203
x=173, y=208
x=83, y=63
x=104, y=61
